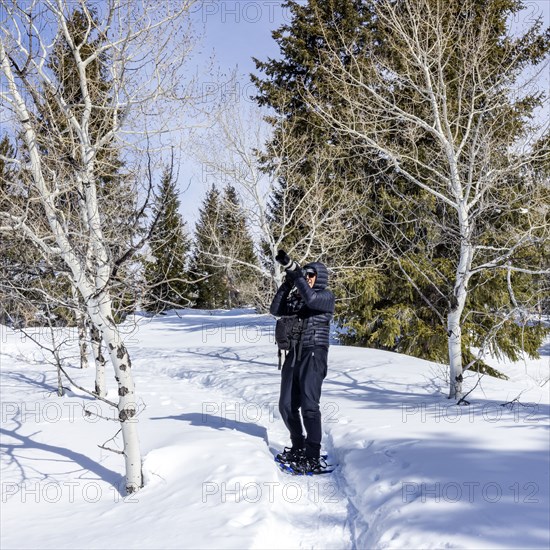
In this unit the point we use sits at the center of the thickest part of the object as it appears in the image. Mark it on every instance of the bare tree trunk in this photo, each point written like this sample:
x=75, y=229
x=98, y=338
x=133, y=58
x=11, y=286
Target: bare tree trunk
x=100, y=310
x=82, y=341
x=82, y=333
x=455, y=353
x=98, y=302
x=99, y=359
x=460, y=294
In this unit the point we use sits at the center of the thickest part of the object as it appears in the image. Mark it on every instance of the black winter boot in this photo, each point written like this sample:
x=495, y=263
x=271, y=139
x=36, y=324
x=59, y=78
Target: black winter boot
x=290, y=454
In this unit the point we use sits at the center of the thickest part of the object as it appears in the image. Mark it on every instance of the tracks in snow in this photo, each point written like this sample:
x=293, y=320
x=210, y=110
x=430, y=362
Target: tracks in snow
x=306, y=512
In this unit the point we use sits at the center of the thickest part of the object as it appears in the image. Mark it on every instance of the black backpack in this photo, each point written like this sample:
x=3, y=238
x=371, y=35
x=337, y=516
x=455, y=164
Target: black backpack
x=287, y=331
x=284, y=329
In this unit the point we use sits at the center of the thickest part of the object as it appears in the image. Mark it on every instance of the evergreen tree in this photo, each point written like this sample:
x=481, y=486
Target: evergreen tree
x=238, y=250
x=316, y=29
x=313, y=154
x=211, y=289
x=11, y=251
x=224, y=257
x=166, y=274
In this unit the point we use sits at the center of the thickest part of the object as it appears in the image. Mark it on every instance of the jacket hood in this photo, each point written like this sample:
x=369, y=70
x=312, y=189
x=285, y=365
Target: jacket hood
x=322, y=274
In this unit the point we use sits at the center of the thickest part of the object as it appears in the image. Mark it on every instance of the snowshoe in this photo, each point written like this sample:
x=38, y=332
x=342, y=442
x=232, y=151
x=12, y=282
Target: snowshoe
x=305, y=466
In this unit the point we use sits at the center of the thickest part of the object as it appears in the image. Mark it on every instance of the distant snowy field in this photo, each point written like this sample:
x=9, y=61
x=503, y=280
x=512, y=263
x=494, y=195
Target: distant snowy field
x=414, y=470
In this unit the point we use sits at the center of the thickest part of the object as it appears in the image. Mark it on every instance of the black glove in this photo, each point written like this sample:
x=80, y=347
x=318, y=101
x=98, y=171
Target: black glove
x=292, y=275
x=284, y=259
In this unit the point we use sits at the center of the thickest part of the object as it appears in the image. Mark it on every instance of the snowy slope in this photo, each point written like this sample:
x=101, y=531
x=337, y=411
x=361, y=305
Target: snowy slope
x=414, y=471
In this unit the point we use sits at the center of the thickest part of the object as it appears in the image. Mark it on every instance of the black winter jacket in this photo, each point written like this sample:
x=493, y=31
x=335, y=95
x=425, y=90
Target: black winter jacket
x=313, y=306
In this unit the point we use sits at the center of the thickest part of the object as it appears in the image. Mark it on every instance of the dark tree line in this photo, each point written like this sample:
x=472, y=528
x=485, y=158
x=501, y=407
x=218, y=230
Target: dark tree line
x=214, y=269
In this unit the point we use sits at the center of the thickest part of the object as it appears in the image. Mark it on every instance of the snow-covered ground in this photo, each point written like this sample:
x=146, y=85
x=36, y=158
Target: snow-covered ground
x=414, y=471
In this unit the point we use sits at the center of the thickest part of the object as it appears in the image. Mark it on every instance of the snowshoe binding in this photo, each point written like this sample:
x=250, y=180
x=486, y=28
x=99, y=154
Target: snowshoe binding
x=306, y=466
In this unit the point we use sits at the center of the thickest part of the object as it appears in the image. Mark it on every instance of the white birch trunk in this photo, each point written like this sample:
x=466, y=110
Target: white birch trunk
x=101, y=315
x=76, y=236
x=99, y=359
x=455, y=354
x=460, y=293
x=80, y=318
x=60, y=389
x=82, y=340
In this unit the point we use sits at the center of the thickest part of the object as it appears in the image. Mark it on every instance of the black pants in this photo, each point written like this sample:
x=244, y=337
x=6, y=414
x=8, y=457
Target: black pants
x=301, y=381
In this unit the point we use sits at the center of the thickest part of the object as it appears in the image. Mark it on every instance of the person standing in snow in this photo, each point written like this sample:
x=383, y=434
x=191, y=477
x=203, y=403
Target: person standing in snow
x=305, y=298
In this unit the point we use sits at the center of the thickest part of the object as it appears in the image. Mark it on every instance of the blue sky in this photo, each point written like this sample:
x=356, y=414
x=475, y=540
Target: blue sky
x=239, y=29
x=232, y=32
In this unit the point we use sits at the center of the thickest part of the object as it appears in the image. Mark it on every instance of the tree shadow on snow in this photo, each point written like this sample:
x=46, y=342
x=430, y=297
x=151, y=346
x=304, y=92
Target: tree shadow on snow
x=229, y=354
x=219, y=423
x=434, y=404
x=372, y=392
x=39, y=381
x=544, y=351
x=21, y=454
